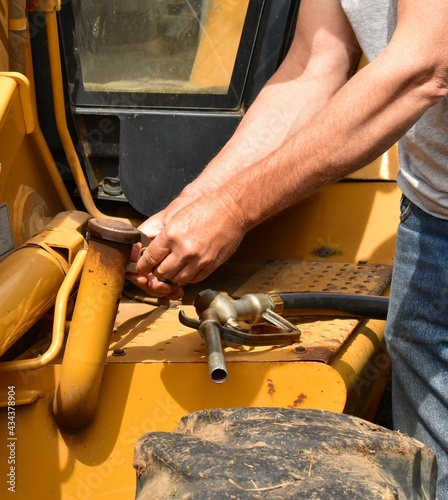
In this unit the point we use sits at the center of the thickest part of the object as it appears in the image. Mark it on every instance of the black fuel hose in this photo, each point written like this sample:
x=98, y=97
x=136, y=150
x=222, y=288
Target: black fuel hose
x=364, y=306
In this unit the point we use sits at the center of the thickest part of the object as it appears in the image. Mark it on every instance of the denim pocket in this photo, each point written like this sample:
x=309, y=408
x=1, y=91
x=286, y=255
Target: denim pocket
x=405, y=208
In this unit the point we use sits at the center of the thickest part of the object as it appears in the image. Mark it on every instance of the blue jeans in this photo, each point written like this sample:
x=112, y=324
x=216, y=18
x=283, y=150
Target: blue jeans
x=417, y=334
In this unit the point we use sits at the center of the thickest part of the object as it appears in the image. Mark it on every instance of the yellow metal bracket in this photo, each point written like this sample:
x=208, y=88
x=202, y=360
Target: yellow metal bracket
x=23, y=86
x=63, y=237
x=58, y=250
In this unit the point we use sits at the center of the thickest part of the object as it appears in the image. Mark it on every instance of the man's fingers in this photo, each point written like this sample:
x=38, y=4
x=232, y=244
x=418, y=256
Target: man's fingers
x=135, y=252
x=146, y=262
x=137, y=279
x=160, y=289
x=152, y=286
x=176, y=270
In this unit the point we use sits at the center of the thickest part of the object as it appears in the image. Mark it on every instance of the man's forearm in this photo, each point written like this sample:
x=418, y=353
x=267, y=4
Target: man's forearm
x=299, y=89
x=261, y=131
x=366, y=117
x=321, y=58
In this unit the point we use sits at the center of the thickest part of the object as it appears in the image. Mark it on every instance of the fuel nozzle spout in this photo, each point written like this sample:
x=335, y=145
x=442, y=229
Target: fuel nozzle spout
x=220, y=317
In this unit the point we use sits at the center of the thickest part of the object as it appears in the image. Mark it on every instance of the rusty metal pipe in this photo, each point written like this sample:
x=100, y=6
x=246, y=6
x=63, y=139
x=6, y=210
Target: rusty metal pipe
x=93, y=319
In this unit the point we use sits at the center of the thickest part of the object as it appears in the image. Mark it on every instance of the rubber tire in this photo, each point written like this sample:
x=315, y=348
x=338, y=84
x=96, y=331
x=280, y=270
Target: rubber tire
x=276, y=453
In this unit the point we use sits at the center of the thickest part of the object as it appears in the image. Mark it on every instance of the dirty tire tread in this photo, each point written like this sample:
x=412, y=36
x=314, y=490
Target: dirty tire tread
x=276, y=453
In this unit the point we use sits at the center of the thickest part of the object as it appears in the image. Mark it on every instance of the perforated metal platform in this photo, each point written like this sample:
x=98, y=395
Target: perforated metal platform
x=157, y=336
x=305, y=276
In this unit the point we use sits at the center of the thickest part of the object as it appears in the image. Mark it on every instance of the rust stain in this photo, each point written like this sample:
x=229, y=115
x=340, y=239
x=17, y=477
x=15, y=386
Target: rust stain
x=325, y=251
x=323, y=354
x=300, y=399
x=271, y=387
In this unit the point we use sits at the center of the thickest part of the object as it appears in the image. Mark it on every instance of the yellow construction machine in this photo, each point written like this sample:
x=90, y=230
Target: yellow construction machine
x=107, y=109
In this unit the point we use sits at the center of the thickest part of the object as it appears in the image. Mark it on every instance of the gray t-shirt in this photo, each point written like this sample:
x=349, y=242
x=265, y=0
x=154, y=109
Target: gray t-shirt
x=423, y=151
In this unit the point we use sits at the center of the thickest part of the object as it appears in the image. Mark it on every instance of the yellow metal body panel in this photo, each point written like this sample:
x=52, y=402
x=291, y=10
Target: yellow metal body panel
x=12, y=118
x=351, y=221
x=38, y=267
x=164, y=374
x=25, y=184
x=23, y=86
x=97, y=462
x=364, y=365
x=152, y=395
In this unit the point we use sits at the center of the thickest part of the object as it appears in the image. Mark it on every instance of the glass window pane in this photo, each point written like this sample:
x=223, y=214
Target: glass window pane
x=158, y=46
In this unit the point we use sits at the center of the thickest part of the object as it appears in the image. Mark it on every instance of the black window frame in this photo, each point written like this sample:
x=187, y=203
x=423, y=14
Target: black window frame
x=232, y=100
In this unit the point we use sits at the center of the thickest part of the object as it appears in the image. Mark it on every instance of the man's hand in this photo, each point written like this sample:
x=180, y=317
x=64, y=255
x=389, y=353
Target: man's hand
x=148, y=282
x=197, y=240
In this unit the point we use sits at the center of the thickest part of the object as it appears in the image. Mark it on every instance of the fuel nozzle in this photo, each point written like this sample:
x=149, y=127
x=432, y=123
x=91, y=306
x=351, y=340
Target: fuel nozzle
x=221, y=317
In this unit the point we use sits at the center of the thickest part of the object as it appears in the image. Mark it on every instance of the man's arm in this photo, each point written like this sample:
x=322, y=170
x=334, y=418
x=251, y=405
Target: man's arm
x=361, y=121
x=322, y=57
